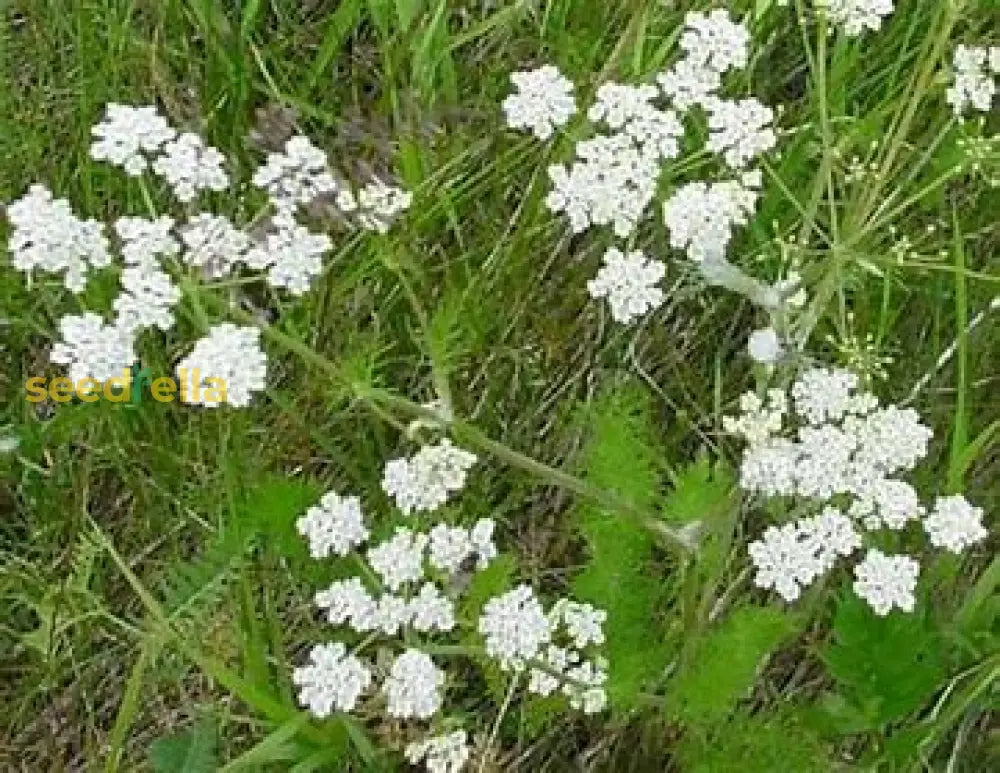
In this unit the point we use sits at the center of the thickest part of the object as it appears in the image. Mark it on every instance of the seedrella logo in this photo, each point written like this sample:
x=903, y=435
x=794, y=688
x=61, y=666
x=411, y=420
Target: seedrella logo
x=130, y=387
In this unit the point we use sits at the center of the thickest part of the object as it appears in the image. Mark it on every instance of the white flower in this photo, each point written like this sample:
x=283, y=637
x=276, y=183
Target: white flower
x=128, y=135
x=689, y=83
x=832, y=536
x=379, y=205
x=147, y=299
x=296, y=176
x=785, y=559
x=334, y=526
x=974, y=85
x=441, y=754
x=399, y=560
x=822, y=394
x=546, y=681
x=144, y=240
x=424, y=482
x=790, y=557
x=333, y=680
x=764, y=346
x=430, y=610
x=612, y=183
x=855, y=16
x=92, y=349
x=584, y=686
x=542, y=101
x=46, y=235
x=884, y=502
x=701, y=217
x=213, y=244
x=616, y=104
x=758, y=421
x=954, y=524
x=886, y=581
x=231, y=354
x=189, y=165
x=413, y=687
x=657, y=133
x=449, y=547
x=292, y=256
x=628, y=281
x=515, y=627
x=348, y=602
x=584, y=623
x=712, y=40
x=392, y=614
x=890, y=439
x=769, y=468
x=481, y=535
x=740, y=130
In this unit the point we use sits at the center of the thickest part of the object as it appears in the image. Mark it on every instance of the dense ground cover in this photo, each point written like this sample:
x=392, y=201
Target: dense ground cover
x=156, y=591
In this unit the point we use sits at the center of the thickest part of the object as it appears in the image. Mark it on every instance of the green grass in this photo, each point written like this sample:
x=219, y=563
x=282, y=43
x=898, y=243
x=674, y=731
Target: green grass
x=153, y=595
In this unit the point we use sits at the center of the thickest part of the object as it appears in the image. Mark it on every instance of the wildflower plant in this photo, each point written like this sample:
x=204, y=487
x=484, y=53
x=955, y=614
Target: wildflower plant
x=163, y=259
x=473, y=606
x=403, y=608
x=829, y=445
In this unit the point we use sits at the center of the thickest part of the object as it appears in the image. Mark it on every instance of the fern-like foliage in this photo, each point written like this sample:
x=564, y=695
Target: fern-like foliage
x=725, y=665
x=620, y=455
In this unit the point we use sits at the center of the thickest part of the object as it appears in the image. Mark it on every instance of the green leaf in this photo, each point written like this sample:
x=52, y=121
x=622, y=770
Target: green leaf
x=621, y=456
x=885, y=666
x=702, y=492
x=725, y=664
x=192, y=751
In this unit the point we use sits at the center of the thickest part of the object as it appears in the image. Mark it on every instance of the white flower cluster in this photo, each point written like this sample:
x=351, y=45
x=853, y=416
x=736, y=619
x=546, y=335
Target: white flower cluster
x=975, y=72
x=446, y=753
x=333, y=527
x=413, y=687
x=712, y=46
x=139, y=138
x=424, y=482
x=291, y=254
x=408, y=566
x=886, y=581
x=611, y=183
x=740, y=130
x=296, y=176
x=418, y=577
x=189, y=165
x=230, y=354
x=842, y=450
x=378, y=205
x=46, y=235
x=130, y=136
x=92, y=349
x=628, y=281
x=701, y=216
x=542, y=102
x=856, y=16
x=213, y=244
x=520, y=634
x=614, y=176
x=333, y=680
x=148, y=294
